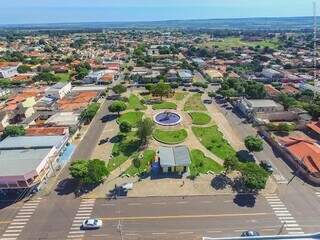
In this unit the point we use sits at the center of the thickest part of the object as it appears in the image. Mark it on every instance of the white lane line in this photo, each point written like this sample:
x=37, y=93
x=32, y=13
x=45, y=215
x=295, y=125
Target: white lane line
x=182, y=202
x=185, y=232
x=159, y=203
x=159, y=233
x=76, y=236
x=11, y=235
x=214, y=231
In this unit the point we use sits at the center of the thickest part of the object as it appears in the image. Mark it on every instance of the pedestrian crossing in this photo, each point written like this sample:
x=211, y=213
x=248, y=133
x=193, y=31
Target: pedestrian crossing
x=84, y=212
x=280, y=210
x=15, y=228
x=317, y=194
x=280, y=179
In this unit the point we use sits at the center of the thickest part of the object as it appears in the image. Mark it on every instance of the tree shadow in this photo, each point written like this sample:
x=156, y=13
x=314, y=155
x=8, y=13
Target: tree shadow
x=117, y=139
x=109, y=118
x=245, y=156
x=220, y=182
x=245, y=200
x=66, y=186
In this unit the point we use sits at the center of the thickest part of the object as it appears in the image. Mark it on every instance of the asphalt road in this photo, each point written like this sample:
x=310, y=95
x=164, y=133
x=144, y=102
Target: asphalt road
x=156, y=218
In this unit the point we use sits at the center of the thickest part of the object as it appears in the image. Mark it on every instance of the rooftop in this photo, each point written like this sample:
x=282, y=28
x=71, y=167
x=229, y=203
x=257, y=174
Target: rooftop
x=174, y=156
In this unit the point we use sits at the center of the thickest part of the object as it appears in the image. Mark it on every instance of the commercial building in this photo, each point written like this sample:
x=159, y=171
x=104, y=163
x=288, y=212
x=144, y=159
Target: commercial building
x=8, y=70
x=26, y=161
x=185, y=75
x=250, y=107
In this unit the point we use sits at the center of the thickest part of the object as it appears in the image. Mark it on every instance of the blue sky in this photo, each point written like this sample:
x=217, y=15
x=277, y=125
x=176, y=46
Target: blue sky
x=55, y=11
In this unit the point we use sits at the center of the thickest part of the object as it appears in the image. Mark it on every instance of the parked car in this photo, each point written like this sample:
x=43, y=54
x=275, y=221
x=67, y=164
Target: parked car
x=91, y=223
x=250, y=233
x=266, y=166
x=207, y=101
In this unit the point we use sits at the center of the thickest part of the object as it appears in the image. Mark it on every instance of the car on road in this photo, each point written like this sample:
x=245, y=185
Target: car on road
x=250, y=233
x=266, y=166
x=91, y=223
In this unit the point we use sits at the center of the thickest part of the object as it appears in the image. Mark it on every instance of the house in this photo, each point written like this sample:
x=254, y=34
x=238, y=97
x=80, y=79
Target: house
x=93, y=77
x=174, y=159
x=185, y=75
x=314, y=127
x=271, y=91
x=64, y=119
x=251, y=107
x=271, y=74
x=27, y=160
x=8, y=70
x=58, y=90
x=4, y=120
x=77, y=101
x=47, y=131
x=4, y=92
x=309, y=87
x=214, y=74
x=305, y=151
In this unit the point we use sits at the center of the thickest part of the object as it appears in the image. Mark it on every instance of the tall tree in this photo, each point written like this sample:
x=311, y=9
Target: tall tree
x=254, y=144
x=118, y=89
x=145, y=129
x=117, y=106
x=161, y=89
x=14, y=131
x=254, y=176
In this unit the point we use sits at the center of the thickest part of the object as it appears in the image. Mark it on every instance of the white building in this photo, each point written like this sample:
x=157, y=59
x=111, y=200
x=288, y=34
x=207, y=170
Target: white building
x=251, y=107
x=58, y=91
x=93, y=77
x=8, y=71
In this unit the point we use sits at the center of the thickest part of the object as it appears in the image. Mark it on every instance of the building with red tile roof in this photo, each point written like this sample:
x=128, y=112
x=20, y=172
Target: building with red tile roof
x=305, y=151
x=272, y=92
x=76, y=102
x=314, y=126
x=46, y=131
x=290, y=90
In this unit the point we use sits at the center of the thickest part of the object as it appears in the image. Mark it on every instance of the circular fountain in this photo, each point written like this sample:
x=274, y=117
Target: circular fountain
x=167, y=118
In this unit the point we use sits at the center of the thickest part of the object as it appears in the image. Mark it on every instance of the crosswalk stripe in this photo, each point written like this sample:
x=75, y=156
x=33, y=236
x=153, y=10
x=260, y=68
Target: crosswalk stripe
x=76, y=232
x=75, y=236
x=293, y=229
x=18, y=223
x=295, y=233
x=20, y=220
x=11, y=234
x=13, y=230
x=15, y=227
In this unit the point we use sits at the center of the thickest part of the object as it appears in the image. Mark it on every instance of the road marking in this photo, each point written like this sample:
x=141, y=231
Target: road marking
x=83, y=214
x=11, y=234
x=12, y=227
x=76, y=232
x=185, y=232
x=159, y=233
x=159, y=203
x=185, y=216
x=131, y=234
x=108, y=204
x=13, y=230
x=18, y=223
x=182, y=202
x=295, y=233
x=76, y=236
x=288, y=221
x=214, y=231
x=240, y=230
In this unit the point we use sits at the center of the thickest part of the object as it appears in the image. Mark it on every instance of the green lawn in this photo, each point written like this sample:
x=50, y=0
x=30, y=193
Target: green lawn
x=131, y=117
x=124, y=147
x=202, y=164
x=200, y=118
x=179, y=96
x=213, y=140
x=64, y=77
x=145, y=162
x=134, y=103
x=194, y=103
x=236, y=42
x=164, y=105
x=170, y=137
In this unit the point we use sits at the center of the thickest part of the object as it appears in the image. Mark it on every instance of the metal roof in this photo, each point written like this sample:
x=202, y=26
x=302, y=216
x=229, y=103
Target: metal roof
x=22, y=161
x=174, y=156
x=25, y=142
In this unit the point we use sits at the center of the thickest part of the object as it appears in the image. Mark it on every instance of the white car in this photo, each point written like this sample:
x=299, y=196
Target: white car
x=91, y=224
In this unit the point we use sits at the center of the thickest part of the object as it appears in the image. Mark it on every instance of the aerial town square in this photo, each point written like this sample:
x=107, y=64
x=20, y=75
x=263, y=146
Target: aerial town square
x=201, y=128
